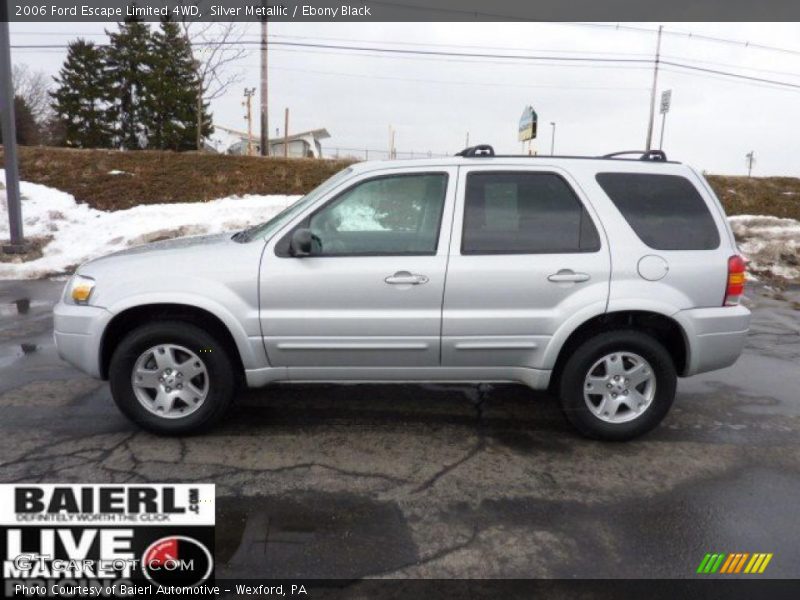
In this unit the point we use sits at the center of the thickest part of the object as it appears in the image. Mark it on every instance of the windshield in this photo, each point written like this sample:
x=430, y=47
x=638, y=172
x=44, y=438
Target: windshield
x=264, y=230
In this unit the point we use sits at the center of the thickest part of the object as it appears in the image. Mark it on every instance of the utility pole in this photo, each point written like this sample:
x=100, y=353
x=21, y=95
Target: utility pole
x=264, y=91
x=649, y=142
x=248, y=97
x=553, y=139
x=751, y=159
x=17, y=241
x=466, y=144
x=286, y=133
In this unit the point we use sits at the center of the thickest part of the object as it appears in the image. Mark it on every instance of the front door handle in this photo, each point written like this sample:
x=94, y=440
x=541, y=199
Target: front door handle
x=568, y=276
x=404, y=277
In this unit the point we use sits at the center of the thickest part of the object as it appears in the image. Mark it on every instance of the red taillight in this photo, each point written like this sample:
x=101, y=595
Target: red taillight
x=735, y=287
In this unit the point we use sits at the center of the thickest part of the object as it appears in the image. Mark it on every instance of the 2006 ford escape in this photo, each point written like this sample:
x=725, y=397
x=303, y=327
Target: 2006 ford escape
x=601, y=278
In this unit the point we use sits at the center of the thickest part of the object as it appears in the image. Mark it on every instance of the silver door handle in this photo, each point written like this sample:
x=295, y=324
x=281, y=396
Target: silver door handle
x=568, y=275
x=404, y=277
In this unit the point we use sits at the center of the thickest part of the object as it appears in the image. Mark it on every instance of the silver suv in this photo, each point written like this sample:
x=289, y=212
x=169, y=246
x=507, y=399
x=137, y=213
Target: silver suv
x=601, y=279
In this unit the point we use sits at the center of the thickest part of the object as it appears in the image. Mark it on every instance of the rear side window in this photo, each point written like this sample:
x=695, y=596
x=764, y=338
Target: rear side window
x=665, y=211
x=524, y=213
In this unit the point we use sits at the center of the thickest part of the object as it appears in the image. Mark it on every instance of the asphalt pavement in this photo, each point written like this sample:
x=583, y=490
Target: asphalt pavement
x=440, y=481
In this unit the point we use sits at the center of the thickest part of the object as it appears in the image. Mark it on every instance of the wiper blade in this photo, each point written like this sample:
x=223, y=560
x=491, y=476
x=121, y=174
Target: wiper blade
x=241, y=236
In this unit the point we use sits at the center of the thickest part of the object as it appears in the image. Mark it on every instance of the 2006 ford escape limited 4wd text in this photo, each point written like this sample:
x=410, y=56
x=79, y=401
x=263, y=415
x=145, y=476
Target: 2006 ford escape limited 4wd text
x=602, y=279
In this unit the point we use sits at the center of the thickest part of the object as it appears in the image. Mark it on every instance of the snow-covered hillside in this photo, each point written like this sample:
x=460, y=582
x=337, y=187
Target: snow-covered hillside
x=771, y=244
x=79, y=232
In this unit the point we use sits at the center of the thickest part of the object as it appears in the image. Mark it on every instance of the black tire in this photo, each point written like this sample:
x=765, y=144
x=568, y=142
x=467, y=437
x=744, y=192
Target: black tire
x=573, y=376
x=220, y=369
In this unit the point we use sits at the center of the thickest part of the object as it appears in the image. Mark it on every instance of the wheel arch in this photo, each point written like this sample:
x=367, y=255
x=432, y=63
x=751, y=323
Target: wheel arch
x=662, y=327
x=127, y=320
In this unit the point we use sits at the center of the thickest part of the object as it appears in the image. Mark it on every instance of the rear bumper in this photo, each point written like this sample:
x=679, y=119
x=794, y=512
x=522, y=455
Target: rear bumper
x=78, y=335
x=715, y=336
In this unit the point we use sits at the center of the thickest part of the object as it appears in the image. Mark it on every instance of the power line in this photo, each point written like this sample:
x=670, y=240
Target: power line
x=735, y=75
x=606, y=26
x=451, y=82
x=468, y=46
x=473, y=55
x=710, y=77
x=387, y=51
x=691, y=35
x=729, y=65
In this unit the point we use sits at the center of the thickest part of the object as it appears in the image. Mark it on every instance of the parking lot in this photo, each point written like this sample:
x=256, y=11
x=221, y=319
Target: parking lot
x=439, y=481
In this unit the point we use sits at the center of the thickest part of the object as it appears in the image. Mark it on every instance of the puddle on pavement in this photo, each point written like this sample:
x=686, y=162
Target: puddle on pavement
x=21, y=306
x=11, y=354
x=317, y=535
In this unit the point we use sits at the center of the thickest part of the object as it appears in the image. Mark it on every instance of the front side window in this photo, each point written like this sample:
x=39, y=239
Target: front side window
x=524, y=213
x=393, y=215
x=268, y=228
x=665, y=211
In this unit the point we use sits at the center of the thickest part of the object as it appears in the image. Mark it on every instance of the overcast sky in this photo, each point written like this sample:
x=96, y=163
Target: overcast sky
x=433, y=102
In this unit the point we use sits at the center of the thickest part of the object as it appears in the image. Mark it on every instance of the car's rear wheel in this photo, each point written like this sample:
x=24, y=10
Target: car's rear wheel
x=618, y=385
x=171, y=377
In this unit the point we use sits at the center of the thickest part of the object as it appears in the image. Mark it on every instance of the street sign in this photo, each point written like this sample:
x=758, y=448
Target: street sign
x=666, y=100
x=527, y=124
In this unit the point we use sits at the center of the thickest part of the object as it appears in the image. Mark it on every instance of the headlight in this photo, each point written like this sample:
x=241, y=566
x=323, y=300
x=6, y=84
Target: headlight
x=80, y=289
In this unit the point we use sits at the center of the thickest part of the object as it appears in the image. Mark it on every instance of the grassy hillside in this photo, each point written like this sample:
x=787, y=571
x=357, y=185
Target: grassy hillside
x=155, y=177
x=113, y=180
x=776, y=196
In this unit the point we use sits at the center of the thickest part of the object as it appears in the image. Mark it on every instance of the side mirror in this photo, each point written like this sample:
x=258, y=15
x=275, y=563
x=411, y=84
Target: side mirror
x=301, y=243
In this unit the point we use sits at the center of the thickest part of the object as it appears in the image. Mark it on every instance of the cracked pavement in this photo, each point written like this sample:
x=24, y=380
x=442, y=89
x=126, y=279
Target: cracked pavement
x=439, y=481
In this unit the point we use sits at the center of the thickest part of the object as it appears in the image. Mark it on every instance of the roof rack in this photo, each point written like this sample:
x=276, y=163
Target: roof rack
x=657, y=155
x=479, y=150
x=486, y=151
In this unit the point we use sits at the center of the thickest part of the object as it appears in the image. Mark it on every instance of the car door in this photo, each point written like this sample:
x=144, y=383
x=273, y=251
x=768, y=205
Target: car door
x=527, y=254
x=370, y=293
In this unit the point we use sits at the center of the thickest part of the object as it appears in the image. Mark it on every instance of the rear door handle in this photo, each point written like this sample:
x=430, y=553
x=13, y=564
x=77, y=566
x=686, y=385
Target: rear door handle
x=568, y=276
x=404, y=277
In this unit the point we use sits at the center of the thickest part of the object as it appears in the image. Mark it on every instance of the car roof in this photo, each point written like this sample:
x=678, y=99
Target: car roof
x=484, y=155
x=582, y=163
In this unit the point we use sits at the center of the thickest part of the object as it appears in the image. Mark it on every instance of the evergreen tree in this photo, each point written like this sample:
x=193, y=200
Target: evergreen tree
x=128, y=67
x=78, y=103
x=25, y=124
x=173, y=89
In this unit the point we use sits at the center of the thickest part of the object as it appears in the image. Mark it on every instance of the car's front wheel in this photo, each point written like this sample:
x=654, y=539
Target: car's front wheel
x=618, y=385
x=171, y=377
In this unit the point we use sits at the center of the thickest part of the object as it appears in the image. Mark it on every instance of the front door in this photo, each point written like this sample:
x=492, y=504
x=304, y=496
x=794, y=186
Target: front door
x=370, y=293
x=526, y=256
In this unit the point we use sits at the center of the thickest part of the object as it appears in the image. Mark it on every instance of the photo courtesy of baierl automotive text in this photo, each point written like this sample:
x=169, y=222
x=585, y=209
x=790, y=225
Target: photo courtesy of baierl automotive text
x=390, y=299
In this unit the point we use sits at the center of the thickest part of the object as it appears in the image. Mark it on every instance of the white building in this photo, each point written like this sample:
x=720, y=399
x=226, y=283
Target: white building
x=300, y=145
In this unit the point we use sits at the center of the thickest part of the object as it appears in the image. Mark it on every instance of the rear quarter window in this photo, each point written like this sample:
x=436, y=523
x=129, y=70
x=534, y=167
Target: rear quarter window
x=665, y=211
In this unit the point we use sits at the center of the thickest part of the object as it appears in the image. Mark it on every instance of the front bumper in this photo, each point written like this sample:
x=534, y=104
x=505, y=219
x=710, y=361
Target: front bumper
x=715, y=336
x=78, y=335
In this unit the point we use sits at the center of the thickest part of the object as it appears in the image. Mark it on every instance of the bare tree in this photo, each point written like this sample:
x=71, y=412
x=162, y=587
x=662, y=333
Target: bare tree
x=33, y=87
x=216, y=47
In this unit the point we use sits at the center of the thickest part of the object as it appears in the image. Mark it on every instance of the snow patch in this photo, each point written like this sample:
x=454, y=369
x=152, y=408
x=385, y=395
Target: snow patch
x=771, y=244
x=118, y=172
x=80, y=233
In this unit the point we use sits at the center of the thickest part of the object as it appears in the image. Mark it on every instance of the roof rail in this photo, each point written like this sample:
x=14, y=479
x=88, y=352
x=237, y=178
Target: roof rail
x=479, y=150
x=656, y=155
x=487, y=151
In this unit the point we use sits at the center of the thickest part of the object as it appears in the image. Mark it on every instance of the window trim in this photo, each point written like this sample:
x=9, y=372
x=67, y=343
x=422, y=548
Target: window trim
x=572, y=191
x=282, y=245
x=627, y=221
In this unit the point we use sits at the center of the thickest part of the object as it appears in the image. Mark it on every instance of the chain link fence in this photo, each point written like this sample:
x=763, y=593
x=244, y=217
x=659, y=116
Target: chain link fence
x=340, y=152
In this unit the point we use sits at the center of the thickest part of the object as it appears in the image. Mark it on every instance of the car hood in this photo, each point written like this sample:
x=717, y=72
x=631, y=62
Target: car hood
x=192, y=241
x=198, y=250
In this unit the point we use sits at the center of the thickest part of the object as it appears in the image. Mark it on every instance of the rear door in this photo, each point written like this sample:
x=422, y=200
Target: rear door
x=370, y=295
x=527, y=253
